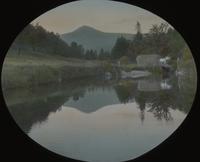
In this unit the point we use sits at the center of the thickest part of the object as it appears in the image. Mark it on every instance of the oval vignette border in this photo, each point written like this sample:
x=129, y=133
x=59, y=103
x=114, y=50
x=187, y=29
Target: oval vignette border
x=189, y=115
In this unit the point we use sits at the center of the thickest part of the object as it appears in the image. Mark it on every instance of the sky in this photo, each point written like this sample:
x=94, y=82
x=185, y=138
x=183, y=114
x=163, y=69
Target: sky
x=104, y=15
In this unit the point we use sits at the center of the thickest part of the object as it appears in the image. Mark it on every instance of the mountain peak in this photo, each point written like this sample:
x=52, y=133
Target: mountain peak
x=91, y=38
x=86, y=28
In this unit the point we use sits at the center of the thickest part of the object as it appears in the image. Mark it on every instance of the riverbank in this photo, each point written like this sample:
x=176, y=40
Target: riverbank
x=37, y=69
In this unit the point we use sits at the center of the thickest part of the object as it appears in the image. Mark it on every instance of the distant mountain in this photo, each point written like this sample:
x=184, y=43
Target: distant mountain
x=92, y=38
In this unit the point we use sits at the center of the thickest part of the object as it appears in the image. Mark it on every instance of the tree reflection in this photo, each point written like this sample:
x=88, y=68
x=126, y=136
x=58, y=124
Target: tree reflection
x=141, y=100
x=126, y=91
x=44, y=100
x=158, y=102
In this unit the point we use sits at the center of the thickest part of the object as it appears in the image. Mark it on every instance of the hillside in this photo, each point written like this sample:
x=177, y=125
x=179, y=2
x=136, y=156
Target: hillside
x=92, y=38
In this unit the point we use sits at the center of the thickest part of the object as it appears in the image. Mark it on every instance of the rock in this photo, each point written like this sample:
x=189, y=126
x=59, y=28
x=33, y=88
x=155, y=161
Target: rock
x=134, y=74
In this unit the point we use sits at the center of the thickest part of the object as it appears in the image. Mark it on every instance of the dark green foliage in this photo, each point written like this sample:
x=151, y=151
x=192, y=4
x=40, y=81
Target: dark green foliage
x=164, y=41
x=161, y=39
x=126, y=91
x=136, y=46
x=90, y=54
x=176, y=43
x=120, y=48
x=103, y=55
x=76, y=50
x=138, y=37
x=37, y=39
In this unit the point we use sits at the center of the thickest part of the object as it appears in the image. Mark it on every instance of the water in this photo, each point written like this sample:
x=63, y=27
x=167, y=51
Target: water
x=102, y=120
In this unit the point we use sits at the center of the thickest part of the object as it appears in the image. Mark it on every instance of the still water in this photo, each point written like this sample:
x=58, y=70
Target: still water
x=102, y=120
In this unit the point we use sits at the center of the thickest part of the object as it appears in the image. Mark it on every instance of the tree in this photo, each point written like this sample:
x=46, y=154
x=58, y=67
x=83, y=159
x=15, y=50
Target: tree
x=124, y=60
x=103, y=55
x=76, y=50
x=138, y=36
x=176, y=43
x=159, y=39
x=120, y=48
x=34, y=38
x=91, y=54
x=136, y=46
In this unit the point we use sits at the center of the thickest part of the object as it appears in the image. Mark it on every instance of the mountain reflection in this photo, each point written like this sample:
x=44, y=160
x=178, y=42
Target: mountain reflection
x=155, y=95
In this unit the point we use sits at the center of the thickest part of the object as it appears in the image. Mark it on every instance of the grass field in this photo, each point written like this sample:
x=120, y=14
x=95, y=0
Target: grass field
x=35, y=68
x=37, y=59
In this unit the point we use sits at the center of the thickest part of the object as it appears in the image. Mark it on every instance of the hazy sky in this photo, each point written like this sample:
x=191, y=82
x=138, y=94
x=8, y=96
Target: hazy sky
x=107, y=16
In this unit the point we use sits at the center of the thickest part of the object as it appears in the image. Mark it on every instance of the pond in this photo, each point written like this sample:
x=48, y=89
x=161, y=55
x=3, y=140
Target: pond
x=102, y=120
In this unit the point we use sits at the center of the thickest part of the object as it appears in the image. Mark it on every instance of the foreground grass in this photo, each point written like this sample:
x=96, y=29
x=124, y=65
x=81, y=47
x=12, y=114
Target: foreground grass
x=33, y=69
x=38, y=59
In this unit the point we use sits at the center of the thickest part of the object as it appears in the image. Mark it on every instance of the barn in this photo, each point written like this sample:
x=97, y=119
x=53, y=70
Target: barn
x=148, y=60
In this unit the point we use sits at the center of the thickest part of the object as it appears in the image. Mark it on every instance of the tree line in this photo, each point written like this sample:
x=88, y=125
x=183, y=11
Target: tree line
x=37, y=39
x=161, y=39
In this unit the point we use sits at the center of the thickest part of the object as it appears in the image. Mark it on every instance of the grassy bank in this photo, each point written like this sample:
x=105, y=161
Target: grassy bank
x=36, y=69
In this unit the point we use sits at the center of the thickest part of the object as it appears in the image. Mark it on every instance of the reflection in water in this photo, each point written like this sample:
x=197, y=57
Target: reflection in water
x=112, y=133
x=98, y=120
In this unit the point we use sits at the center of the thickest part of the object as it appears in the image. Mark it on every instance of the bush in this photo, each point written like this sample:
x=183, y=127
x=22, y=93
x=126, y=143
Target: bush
x=155, y=70
x=124, y=60
x=107, y=66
